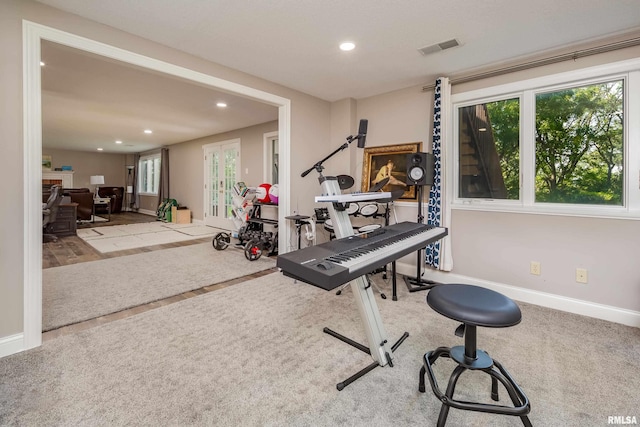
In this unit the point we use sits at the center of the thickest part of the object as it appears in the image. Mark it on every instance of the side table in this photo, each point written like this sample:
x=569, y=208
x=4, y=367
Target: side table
x=101, y=202
x=65, y=223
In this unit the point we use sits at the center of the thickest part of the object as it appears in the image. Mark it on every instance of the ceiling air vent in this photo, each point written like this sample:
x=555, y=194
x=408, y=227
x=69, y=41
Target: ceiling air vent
x=438, y=47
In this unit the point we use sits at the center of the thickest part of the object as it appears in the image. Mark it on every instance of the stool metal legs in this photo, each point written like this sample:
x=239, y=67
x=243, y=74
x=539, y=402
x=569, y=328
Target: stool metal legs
x=521, y=406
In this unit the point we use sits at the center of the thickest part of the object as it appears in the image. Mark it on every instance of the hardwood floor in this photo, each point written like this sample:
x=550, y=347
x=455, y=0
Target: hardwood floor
x=73, y=250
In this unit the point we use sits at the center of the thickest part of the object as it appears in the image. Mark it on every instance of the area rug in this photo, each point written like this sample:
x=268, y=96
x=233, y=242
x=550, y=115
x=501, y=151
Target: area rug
x=93, y=220
x=131, y=236
x=78, y=292
x=254, y=354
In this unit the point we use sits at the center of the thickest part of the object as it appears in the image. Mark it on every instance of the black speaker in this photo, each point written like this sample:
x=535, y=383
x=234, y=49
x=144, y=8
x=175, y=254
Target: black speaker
x=420, y=169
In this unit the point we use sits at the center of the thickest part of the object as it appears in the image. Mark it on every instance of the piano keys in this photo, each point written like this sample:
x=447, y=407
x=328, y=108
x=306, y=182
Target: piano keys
x=334, y=263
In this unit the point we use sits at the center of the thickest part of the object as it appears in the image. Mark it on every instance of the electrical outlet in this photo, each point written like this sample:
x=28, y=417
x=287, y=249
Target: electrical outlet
x=535, y=268
x=581, y=275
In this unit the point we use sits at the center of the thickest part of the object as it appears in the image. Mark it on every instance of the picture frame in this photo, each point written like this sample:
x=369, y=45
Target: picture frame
x=46, y=163
x=376, y=162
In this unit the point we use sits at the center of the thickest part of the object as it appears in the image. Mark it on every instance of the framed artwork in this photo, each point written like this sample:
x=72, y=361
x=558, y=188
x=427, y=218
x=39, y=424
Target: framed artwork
x=389, y=161
x=46, y=163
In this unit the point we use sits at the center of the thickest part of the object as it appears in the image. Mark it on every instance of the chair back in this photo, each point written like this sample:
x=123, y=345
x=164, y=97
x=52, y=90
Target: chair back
x=50, y=210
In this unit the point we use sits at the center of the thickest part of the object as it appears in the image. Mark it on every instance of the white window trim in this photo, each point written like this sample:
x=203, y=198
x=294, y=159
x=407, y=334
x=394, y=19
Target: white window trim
x=526, y=90
x=144, y=159
x=267, y=154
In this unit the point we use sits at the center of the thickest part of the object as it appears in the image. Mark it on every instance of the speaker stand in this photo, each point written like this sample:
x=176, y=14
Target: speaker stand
x=415, y=284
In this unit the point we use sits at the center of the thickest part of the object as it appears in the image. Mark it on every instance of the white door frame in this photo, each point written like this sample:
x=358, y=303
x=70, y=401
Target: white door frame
x=207, y=148
x=266, y=156
x=32, y=34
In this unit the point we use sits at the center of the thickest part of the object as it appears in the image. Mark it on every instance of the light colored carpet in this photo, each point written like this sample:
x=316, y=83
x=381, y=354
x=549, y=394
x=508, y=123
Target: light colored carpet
x=77, y=292
x=131, y=236
x=254, y=354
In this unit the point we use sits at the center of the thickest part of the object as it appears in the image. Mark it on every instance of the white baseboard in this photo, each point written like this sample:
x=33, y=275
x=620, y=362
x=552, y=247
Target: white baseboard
x=11, y=344
x=147, y=212
x=544, y=299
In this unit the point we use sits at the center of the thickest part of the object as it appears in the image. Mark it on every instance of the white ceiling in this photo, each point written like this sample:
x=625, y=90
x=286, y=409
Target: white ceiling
x=295, y=42
x=89, y=102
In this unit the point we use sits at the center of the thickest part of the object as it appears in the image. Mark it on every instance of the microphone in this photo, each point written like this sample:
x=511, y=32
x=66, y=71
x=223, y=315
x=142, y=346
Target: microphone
x=362, y=132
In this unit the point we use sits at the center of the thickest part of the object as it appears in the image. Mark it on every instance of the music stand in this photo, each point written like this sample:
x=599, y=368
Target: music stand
x=298, y=222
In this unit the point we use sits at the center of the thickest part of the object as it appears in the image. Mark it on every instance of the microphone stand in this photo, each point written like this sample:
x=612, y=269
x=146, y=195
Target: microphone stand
x=318, y=166
x=415, y=284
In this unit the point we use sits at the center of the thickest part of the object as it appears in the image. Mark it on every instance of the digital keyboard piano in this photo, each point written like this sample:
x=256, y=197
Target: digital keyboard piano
x=339, y=261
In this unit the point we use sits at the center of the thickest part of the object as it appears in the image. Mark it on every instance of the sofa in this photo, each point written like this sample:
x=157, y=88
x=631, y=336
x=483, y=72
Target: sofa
x=82, y=196
x=116, y=194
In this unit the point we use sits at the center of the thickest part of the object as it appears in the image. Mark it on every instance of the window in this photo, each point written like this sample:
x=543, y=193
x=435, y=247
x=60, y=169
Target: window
x=558, y=144
x=149, y=174
x=271, y=158
x=579, y=145
x=489, y=150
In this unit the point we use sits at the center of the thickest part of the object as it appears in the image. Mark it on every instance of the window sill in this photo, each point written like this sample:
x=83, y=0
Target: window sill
x=585, y=212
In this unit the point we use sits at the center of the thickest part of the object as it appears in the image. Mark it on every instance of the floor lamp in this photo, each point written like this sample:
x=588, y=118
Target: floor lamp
x=97, y=180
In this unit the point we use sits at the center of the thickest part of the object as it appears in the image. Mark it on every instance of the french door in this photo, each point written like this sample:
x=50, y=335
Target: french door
x=221, y=172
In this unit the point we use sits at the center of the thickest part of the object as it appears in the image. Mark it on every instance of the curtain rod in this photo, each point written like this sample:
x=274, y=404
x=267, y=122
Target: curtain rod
x=545, y=61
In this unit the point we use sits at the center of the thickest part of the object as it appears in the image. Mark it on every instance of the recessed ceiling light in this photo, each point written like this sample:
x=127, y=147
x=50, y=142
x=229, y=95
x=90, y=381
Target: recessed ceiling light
x=42, y=64
x=347, y=46
x=118, y=142
x=100, y=149
x=221, y=104
x=148, y=131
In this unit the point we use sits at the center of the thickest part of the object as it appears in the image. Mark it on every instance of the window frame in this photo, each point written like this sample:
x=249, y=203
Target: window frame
x=146, y=158
x=526, y=91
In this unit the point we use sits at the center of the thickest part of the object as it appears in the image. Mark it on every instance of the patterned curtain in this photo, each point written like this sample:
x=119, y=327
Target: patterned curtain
x=438, y=254
x=163, y=190
x=134, y=203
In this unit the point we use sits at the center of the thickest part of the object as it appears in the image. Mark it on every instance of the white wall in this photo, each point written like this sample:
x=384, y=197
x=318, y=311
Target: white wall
x=85, y=164
x=497, y=248
x=310, y=124
x=187, y=170
x=488, y=246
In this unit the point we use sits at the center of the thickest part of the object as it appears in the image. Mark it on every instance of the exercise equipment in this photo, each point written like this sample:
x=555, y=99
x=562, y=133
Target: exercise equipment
x=251, y=235
x=262, y=192
x=253, y=242
x=273, y=194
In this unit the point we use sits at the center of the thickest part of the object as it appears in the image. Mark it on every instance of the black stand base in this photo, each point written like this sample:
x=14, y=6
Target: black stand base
x=417, y=284
x=521, y=406
x=341, y=385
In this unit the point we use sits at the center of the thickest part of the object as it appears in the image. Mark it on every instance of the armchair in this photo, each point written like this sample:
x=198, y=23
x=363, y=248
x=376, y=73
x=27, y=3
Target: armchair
x=116, y=194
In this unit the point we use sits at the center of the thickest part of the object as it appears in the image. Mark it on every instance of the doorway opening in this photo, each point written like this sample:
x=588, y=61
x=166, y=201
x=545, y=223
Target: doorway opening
x=32, y=35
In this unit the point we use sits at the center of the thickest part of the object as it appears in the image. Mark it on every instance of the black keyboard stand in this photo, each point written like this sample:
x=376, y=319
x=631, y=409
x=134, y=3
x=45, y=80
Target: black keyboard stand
x=341, y=385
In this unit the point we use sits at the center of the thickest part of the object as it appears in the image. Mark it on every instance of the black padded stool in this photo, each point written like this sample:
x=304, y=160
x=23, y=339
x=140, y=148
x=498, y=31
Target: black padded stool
x=474, y=306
